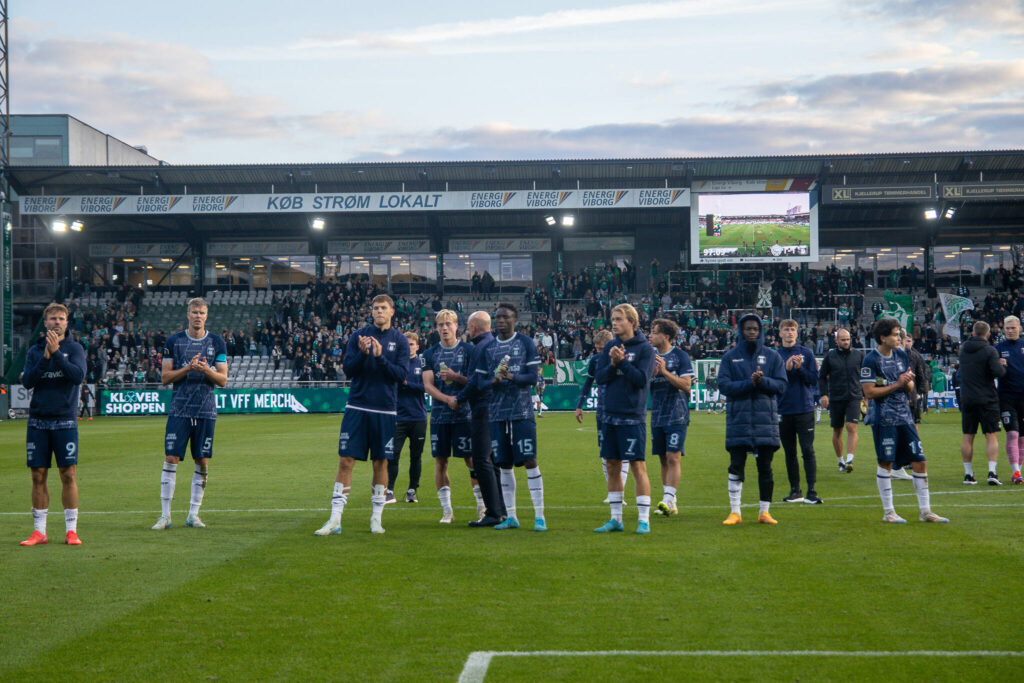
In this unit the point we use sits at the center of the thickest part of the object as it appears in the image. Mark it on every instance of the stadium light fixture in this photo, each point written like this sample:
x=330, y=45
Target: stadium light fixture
x=59, y=225
x=568, y=220
x=318, y=223
x=550, y=220
x=77, y=226
x=950, y=212
x=931, y=214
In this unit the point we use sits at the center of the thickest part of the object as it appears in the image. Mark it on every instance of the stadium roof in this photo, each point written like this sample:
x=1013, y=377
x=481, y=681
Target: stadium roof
x=841, y=225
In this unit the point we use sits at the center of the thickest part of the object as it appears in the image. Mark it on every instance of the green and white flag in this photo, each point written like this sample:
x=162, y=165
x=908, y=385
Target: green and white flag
x=952, y=308
x=900, y=307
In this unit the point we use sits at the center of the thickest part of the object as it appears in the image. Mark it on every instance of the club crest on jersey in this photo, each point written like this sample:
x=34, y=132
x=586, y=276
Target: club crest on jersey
x=865, y=373
x=761, y=360
x=391, y=346
x=630, y=356
x=209, y=350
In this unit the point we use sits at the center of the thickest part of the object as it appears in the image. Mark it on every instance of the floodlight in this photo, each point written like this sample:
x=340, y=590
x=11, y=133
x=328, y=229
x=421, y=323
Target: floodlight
x=318, y=223
x=77, y=226
x=931, y=214
x=568, y=220
x=549, y=219
x=59, y=225
x=950, y=212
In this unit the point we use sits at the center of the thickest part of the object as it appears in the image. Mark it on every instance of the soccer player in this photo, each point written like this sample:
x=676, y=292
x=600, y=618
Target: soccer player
x=194, y=361
x=601, y=337
x=796, y=411
x=54, y=370
x=411, y=424
x=670, y=408
x=515, y=365
x=887, y=380
x=625, y=371
x=445, y=373
x=377, y=360
x=841, y=395
x=1011, y=393
x=979, y=370
x=752, y=377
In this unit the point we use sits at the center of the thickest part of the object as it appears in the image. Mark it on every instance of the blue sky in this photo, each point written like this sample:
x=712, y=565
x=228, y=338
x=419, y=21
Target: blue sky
x=260, y=82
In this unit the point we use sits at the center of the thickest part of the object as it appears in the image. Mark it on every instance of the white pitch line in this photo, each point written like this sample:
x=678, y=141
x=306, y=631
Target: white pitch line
x=477, y=664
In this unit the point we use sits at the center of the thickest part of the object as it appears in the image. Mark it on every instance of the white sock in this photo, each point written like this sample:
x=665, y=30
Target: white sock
x=167, y=478
x=969, y=468
x=625, y=472
x=508, y=491
x=849, y=458
x=377, y=501
x=39, y=520
x=198, y=489
x=444, y=494
x=735, y=493
x=536, y=485
x=921, y=489
x=670, y=496
x=338, y=501
x=604, y=468
x=643, y=508
x=476, y=494
x=71, y=519
x=992, y=467
x=764, y=505
x=615, y=503
x=883, y=478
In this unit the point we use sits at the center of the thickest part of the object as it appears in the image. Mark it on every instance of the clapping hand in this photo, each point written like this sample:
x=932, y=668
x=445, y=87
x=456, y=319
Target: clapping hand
x=52, y=342
x=617, y=353
x=756, y=376
x=659, y=365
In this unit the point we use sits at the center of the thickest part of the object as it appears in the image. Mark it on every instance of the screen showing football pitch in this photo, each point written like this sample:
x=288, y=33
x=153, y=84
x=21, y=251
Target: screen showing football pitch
x=762, y=227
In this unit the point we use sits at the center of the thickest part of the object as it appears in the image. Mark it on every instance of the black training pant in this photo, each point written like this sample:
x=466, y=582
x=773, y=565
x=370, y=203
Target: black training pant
x=487, y=474
x=416, y=432
x=738, y=462
x=791, y=429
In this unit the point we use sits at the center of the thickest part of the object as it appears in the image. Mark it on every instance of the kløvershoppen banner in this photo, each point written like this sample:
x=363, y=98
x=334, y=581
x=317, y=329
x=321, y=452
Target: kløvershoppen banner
x=305, y=400
x=308, y=400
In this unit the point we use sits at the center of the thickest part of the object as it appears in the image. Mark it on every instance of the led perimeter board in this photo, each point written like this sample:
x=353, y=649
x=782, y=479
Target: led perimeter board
x=754, y=227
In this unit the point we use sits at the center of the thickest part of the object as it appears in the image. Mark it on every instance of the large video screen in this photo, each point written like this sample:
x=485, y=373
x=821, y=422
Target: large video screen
x=757, y=227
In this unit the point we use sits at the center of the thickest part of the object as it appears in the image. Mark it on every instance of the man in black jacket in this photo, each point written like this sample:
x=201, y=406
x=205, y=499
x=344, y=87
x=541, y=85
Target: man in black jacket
x=921, y=376
x=839, y=386
x=979, y=368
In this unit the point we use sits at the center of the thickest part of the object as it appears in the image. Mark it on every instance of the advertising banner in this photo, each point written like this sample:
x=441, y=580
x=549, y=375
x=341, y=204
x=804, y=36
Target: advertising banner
x=852, y=194
x=229, y=401
x=356, y=202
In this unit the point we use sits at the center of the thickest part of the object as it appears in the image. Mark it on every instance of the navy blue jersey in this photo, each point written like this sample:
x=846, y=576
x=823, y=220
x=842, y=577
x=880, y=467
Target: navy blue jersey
x=457, y=359
x=671, y=406
x=1011, y=385
x=589, y=384
x=511, y=397
x=55, y=381
x=412, y=406
x=193, y=395
x=893, y=409
x=375, y=379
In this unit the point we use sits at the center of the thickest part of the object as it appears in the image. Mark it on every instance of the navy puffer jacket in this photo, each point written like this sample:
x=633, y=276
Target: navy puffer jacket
x=751, y=415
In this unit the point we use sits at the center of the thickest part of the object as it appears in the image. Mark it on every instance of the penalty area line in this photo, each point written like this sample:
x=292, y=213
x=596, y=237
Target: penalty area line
x=477, y=663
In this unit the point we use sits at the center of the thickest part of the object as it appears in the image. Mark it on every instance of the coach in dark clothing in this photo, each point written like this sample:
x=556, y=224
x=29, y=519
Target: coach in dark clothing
x=921, y=377
x=478, y=393
x=752, y=377
x=841, y=393
x=980, y=367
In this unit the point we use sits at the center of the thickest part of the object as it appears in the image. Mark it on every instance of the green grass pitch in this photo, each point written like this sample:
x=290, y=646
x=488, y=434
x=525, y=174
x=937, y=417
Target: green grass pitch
x=255, y=596
x=735, y=235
